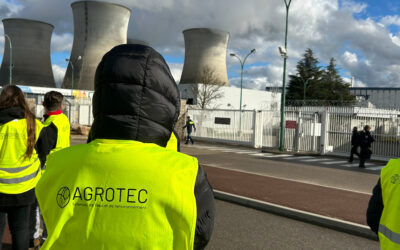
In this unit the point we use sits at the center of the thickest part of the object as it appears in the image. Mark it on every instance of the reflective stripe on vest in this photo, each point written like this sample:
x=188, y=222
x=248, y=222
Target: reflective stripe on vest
x=389, y=228
x=118, y=194
x=63, y=130
x=395, y=237
x=17, y=174
x=172, y=143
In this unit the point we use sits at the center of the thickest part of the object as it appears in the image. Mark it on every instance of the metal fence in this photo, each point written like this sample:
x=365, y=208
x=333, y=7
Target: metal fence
x=307, y=129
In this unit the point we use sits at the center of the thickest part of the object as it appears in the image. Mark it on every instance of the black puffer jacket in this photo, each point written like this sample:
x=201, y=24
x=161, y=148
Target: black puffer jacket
x=136, y=98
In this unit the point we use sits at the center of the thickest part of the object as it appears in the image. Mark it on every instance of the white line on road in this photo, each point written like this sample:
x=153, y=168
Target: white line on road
x=244, y=152
x=318, y=159
x=261, y=154
x=276, y=156
x=375, y=168
x=333, y=162
x=356, y=165
x=299, y=157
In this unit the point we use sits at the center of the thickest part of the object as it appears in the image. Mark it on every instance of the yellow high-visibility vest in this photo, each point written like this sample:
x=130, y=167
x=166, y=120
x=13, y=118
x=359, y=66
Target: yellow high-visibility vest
x=17, y=174
x=172, y=143
x=63, y=129
x=118, y=194
x=389, y=226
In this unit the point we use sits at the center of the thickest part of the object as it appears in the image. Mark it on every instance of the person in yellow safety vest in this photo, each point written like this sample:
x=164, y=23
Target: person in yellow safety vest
x=124, y=189
x=383, y=210
x=174, y=142
x=54, y=136
x=19, y=164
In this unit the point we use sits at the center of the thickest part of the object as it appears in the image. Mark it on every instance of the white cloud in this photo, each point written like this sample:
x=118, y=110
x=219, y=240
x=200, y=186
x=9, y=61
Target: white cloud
x=350, y=58
x=61, y=43
x=353, y=6
x=390, y=20
x=59, y=74
x=176, y=70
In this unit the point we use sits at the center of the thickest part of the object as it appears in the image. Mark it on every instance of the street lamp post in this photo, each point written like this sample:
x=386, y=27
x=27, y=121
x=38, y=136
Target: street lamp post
x=72, y=72
x=282, y=137
x=305, y=87
x=11, y=65
x=241, y=82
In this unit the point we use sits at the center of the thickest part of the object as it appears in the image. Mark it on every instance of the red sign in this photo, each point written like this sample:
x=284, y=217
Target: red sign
x=291, y=124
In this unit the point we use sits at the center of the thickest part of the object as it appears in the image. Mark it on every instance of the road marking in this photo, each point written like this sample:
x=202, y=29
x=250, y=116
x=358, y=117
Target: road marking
x=333, y=162
x=356, y=165
x=318, y=159
x=244, y=152
x=375, y=168
x=276, y=156
x=298, y=157
x=286, y=179
x=261, y=154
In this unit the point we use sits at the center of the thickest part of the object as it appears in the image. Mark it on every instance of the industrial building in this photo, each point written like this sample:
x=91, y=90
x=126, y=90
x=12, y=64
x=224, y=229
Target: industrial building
x=30, y=54
x=98, y=27
x=205, y=49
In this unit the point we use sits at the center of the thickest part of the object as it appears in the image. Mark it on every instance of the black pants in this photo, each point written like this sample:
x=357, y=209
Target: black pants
x=353, y=152
x=189, y=138
x=365, y=154
x=18, y=221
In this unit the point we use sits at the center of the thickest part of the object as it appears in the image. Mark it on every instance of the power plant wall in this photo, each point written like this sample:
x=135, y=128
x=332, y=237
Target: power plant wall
x=205, y=50
x=98, y=27
x=31, y=61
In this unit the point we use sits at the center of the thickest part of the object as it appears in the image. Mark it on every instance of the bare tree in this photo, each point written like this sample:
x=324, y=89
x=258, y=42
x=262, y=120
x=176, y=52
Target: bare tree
x=209, y=91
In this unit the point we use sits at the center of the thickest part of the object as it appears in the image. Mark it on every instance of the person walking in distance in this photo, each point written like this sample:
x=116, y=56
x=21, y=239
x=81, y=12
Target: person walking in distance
x=354, y=144
x=124, y=189
x=189, y=128
x=20, y=166
x=366, y=140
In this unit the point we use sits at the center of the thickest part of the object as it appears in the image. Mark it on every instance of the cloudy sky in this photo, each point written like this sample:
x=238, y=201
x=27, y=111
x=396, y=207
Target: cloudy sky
x=362, y=35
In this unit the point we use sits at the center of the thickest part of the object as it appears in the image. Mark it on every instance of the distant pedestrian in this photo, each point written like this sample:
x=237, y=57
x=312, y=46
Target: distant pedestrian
x=189, y=127
x=366, y=140
x=355, y=143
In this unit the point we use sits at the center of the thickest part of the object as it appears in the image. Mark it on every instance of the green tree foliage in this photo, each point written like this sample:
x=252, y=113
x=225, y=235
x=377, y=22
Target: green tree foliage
x=316, y=83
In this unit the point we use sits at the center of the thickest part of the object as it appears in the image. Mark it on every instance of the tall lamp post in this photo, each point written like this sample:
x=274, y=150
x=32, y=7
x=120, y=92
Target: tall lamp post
x=305, y=87
x=11, y=65
x=284, y=54
x=241, y=82
x=72, y=72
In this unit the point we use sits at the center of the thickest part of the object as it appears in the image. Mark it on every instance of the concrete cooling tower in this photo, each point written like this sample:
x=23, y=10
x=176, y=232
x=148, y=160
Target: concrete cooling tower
x=31, y=61
x=98, y=27
x=205, y=48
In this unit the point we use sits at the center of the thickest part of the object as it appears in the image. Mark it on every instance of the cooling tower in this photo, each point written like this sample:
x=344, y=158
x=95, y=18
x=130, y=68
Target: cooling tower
x=205, y=49
x=31, y=61
x=98, y=27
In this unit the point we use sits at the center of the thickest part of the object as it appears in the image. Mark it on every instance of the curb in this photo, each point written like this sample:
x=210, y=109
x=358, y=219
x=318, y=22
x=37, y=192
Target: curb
x=316, y=219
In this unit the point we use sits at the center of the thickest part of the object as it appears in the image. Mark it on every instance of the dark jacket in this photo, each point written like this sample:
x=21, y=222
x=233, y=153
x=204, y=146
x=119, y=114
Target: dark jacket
x=189, y=126
x=375, y=208
x=355, y=138
x=47, y=141
x=23, y=199
x=136, y=98
x=365, y=139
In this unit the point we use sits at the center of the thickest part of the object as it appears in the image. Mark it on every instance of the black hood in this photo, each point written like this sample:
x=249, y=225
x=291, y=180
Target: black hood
x=136, y=97
x=11, y=113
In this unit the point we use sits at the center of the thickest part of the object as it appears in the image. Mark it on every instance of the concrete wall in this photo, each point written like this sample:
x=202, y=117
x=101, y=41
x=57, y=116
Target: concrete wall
x=205, y=48
x=98, y=27
x=251, y=98
x=30, y=53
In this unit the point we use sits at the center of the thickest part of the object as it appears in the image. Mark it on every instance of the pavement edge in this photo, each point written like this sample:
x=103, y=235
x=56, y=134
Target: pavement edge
x=316, y=219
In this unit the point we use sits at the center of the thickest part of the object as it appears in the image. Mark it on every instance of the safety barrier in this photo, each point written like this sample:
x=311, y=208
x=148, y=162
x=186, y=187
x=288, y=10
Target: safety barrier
x=323, y=130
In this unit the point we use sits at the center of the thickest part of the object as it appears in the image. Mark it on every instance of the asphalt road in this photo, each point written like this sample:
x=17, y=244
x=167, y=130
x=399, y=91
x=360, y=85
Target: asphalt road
x=288, y=167
x=238, y=227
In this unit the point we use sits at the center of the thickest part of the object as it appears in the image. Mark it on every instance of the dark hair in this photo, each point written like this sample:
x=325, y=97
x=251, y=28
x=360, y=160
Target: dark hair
x=53, y=100
x=12, y=96
x=367, y=127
